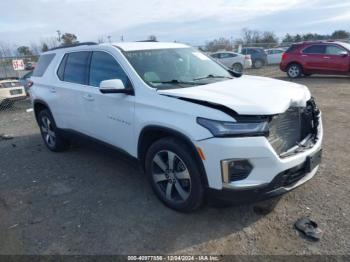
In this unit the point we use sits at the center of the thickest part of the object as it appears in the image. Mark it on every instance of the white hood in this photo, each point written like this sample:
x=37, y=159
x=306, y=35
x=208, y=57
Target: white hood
x=248, y=95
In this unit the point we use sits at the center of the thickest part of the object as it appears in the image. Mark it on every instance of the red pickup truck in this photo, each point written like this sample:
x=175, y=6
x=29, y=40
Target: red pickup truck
x=323, y=57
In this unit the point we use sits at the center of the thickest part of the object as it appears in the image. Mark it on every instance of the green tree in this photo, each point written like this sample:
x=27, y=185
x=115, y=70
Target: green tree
x=288, y=39
x=340, y=34
x=44, y=47
x=24, y=51
x=69, y=38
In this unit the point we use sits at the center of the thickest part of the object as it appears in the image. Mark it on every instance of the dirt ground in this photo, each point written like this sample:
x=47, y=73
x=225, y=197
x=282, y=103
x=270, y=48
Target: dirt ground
x=92, y=200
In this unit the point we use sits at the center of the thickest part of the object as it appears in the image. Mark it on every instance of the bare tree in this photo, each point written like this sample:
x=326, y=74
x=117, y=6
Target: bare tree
x=219, y=44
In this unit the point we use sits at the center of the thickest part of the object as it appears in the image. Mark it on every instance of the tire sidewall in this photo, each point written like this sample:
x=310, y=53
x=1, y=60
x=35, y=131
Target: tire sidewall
x=299, y=68
x=196, y=196
x=239, y=66
x=258, y=64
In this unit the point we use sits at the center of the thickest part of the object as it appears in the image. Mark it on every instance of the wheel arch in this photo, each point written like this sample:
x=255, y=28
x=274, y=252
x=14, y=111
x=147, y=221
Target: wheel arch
x=152, y=133
x=39, y=105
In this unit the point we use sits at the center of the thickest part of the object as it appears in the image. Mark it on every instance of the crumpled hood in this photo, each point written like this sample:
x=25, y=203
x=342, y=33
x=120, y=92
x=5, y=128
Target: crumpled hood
x=248, y=95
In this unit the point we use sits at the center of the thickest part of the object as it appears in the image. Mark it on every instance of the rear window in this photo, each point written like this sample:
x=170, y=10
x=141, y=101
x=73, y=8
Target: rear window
x=292, y=48
x=9, y=84
x=43, y=63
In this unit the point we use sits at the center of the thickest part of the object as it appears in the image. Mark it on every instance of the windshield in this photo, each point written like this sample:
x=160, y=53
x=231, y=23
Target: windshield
x=346, y=45
x=176, y=68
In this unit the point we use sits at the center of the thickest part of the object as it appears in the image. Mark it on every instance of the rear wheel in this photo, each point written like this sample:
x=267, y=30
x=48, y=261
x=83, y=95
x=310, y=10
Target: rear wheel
x=294, y=70
x=52, y=139
x=174, y=175
x=237, y=67
x=258, y=64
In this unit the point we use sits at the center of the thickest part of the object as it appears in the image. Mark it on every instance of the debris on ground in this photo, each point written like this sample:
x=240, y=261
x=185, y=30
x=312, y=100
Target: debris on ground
x=5, y=137
x=309, y=228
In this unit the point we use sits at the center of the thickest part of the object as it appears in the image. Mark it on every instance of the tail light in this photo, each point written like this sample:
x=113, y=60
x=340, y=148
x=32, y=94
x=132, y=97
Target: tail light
x=29, y=84
x=284, y=55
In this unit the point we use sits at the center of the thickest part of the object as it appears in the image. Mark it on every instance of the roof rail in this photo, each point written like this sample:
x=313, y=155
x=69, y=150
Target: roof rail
x=73, y=45
x=149, y=40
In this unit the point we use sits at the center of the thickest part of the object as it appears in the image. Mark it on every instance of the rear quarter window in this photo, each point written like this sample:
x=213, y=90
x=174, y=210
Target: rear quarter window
x=43, y=63
x=292, y=48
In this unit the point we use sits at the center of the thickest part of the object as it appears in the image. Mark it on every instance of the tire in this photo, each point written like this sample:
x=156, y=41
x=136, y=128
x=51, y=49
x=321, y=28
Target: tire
x=258, y=63
x=49, y=132
x=294, y=70
x=237, y=67
x=176, y=183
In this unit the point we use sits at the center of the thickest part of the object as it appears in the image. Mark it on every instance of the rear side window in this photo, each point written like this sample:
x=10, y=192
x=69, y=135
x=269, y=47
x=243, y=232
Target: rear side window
x=43, y=63
x=315, y=49
x=292, y=48
x=104, y=67
x=76, y=68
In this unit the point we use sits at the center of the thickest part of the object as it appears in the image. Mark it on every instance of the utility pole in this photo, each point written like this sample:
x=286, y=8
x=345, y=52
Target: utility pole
x=59, y=36
x=122, y=38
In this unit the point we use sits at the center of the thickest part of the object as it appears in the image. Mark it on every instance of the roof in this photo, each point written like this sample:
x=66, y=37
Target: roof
x=135, y=46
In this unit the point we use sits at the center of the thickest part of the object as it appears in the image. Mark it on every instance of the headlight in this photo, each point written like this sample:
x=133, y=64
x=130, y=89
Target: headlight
x=224, y=129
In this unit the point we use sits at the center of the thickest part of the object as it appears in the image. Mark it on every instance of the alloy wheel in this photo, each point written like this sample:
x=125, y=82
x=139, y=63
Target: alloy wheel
x=171, y=176
x=47, y=131
x=293, y=71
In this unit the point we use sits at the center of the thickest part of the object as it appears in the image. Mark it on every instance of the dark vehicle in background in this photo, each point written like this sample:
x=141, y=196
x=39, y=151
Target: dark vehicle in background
x=29, y=66
x=323, y=57
x=24, y=80
x=258, y=55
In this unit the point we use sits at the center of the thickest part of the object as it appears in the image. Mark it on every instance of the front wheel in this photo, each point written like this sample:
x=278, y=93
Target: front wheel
x=294, y=71
x=174, y=174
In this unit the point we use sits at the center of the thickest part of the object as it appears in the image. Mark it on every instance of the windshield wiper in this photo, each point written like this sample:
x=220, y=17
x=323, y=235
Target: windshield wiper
x=174, y=81
x=211, y=76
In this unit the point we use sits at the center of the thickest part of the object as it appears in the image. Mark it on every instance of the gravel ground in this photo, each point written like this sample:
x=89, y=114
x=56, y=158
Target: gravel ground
x=92, y=200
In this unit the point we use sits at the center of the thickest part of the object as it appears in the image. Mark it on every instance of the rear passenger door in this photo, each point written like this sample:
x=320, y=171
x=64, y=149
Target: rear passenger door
x=73, y=75
x=313, y=58
x=109, y=117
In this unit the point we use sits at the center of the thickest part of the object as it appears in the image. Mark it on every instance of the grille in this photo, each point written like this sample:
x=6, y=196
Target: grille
x=291, y=127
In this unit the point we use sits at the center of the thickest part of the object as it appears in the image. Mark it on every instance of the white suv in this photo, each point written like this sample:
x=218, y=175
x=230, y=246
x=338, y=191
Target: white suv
x=197, y=128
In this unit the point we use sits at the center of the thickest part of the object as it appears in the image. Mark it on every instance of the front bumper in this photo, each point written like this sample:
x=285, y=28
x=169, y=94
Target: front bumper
x=265, y=179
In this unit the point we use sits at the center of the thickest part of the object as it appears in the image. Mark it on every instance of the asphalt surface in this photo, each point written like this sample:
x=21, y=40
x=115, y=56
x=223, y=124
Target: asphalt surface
x=92, y=200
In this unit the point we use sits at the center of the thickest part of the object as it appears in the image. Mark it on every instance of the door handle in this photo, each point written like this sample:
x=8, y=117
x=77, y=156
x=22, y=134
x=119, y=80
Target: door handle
x=88, y=97
x=326, y=57
x=52, y=89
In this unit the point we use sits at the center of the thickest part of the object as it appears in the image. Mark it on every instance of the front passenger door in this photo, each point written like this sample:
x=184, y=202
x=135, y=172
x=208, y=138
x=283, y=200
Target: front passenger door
x=110, y=117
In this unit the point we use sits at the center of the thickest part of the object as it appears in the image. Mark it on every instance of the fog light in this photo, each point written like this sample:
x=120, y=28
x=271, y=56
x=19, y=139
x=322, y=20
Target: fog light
x=234, y=170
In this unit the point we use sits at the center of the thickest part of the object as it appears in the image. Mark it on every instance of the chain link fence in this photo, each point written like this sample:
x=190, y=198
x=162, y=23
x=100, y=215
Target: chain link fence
x=14, y=94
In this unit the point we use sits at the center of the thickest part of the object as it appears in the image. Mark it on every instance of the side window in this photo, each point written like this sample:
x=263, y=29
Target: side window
x=215, y=55
x=226, y=55
x=315, y=49
x=334, y=50
x=104, y=67
x=77, y=67
x=43, y=63
x=60, y=71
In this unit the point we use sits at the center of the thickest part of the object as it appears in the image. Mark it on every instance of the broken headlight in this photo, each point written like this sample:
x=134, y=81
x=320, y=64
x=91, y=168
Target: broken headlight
x=227, y=129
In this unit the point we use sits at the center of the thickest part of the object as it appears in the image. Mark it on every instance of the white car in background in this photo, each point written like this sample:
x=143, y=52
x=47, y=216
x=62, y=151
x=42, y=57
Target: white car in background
x=10, y=91
x=274, y=55
x=233, y=60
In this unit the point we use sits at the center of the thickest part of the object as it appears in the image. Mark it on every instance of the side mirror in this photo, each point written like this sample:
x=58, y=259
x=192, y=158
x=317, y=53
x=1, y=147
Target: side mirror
x=114, y=86
x=344, y=54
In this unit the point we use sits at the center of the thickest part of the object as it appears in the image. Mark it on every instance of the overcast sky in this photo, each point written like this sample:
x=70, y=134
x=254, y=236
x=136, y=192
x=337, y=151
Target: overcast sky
x=192, y=21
